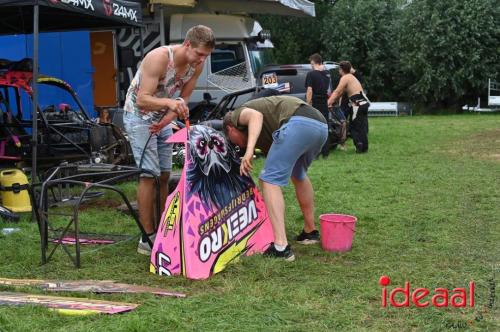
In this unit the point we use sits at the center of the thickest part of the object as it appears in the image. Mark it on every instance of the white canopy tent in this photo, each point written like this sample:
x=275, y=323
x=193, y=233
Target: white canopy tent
x=275, y=7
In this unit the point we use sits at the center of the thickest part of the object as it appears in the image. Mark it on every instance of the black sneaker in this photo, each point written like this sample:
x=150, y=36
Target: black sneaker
x=308, y=238
x=286, y=254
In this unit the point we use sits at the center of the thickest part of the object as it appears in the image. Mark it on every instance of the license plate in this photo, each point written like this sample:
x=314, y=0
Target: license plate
x=270, y=80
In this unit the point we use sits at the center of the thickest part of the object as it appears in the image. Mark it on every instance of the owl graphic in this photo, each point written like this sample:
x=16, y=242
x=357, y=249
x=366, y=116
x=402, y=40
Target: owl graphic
x=214, y=170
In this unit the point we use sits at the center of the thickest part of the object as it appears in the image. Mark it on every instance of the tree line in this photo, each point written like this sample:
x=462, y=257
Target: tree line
x=435, y=53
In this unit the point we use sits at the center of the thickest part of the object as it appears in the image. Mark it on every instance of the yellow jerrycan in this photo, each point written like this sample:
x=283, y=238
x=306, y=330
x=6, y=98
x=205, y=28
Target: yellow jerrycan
x=14, y=190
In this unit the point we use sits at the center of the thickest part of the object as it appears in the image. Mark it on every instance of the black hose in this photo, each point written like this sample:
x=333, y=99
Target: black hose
x=147, y=142
x=144, y=150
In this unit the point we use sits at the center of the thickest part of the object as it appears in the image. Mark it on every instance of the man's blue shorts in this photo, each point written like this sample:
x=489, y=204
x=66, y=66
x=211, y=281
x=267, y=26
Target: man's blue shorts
x=158, y=155
x=295, y=145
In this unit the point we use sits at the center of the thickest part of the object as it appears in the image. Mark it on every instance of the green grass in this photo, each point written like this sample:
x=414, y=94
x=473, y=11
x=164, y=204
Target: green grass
x=427, y=196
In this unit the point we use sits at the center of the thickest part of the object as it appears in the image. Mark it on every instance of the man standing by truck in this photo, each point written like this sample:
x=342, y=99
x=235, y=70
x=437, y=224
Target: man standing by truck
x=317, y=84
x=150, y=107
x=291, y=134
x=350, y=85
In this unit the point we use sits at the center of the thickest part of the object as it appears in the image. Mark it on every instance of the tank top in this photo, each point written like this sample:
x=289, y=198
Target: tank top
x=167, y=87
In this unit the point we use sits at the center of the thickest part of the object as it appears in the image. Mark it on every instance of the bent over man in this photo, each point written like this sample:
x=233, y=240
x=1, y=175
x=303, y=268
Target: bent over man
x=149, y=108
x=290, y=133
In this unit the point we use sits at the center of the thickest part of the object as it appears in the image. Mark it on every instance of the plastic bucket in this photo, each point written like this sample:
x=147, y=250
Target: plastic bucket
x=337, y=231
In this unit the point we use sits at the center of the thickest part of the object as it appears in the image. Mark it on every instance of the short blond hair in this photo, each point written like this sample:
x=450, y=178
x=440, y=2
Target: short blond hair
x=201, y=35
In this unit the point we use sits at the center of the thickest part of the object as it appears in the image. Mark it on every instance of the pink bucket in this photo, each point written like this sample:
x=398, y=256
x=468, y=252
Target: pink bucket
x=337, y=231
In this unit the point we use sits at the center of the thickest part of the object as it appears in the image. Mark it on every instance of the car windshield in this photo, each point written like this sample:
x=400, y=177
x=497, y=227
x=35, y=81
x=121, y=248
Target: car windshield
x=260, y=57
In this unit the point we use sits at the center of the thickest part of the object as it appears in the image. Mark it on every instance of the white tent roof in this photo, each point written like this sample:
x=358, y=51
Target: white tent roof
x=275, y=7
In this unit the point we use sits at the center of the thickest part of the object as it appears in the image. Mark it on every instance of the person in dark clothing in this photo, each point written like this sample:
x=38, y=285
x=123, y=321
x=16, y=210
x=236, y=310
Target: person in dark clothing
x=317, y=86
x=359, y=103
x=345, y=105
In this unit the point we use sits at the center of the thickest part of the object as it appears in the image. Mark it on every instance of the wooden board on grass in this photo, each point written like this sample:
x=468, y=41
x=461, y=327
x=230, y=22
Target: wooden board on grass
x=94, y=286
x=69, y=304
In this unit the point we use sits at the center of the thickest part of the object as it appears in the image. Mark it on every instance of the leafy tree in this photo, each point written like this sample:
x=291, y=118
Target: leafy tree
x=357, y=30
x=449, y=49
x=436, y=53
x=362, y=32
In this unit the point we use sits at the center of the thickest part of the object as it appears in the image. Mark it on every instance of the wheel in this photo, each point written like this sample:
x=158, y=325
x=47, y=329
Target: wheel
x=7, y=214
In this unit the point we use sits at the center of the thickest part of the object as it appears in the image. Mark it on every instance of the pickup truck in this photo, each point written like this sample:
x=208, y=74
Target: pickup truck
x=290, y=79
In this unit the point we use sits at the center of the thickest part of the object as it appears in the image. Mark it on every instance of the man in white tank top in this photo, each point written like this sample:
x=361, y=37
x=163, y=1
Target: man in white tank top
x=150, y=106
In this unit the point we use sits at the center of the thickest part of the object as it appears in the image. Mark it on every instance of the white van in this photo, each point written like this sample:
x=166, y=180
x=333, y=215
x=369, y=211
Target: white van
x=242, y=49
x=243, y=46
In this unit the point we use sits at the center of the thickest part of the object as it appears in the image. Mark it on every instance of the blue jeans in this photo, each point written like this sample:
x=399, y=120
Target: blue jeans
x=295, y=145
x=157, y=155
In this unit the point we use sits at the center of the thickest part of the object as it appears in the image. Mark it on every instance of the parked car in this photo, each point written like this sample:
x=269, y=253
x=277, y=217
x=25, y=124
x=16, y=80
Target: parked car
x=291, y=79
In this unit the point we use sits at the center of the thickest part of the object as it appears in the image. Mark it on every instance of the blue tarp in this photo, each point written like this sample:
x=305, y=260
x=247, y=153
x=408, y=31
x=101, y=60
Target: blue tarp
x=65, y=55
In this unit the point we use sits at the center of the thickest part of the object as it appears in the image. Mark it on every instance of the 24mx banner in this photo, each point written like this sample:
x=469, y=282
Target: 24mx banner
x=125, y=10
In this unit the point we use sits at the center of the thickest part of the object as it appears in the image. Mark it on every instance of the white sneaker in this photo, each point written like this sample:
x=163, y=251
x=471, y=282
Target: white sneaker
x=143, y=247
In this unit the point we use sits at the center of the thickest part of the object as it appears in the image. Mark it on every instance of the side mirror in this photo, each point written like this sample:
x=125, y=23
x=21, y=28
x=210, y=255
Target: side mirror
x=207, y=96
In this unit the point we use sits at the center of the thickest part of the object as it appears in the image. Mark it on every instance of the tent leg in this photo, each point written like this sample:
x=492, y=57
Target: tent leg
x=34, y=115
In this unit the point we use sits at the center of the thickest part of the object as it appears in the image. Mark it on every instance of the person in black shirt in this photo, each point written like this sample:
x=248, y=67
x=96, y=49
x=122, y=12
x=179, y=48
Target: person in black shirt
x=317, y=85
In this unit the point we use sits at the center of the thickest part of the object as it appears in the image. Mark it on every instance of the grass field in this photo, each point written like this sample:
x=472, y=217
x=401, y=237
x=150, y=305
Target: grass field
x=427, y=196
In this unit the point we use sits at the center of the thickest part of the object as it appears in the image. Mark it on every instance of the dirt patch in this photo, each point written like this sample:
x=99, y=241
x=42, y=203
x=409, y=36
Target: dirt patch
x=100, y=203
x=483, y=146
x=488, y=143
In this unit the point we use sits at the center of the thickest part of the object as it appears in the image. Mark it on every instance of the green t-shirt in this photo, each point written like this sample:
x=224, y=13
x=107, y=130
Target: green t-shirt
x=276, y=111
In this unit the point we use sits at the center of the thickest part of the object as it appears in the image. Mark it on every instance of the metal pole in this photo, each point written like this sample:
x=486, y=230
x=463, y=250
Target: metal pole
x=142, y=43
x=489, y=90
x=162, y=26
x=115, y=63
x=34, y=117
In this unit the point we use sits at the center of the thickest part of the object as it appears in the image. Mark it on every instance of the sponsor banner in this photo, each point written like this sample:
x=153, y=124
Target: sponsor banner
x=128, y=12
x=214, y=216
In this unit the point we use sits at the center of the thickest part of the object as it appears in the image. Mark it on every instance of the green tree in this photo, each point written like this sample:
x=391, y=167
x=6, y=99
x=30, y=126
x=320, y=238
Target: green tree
x=435, y=53
x=362, y=32
x=449, y=49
